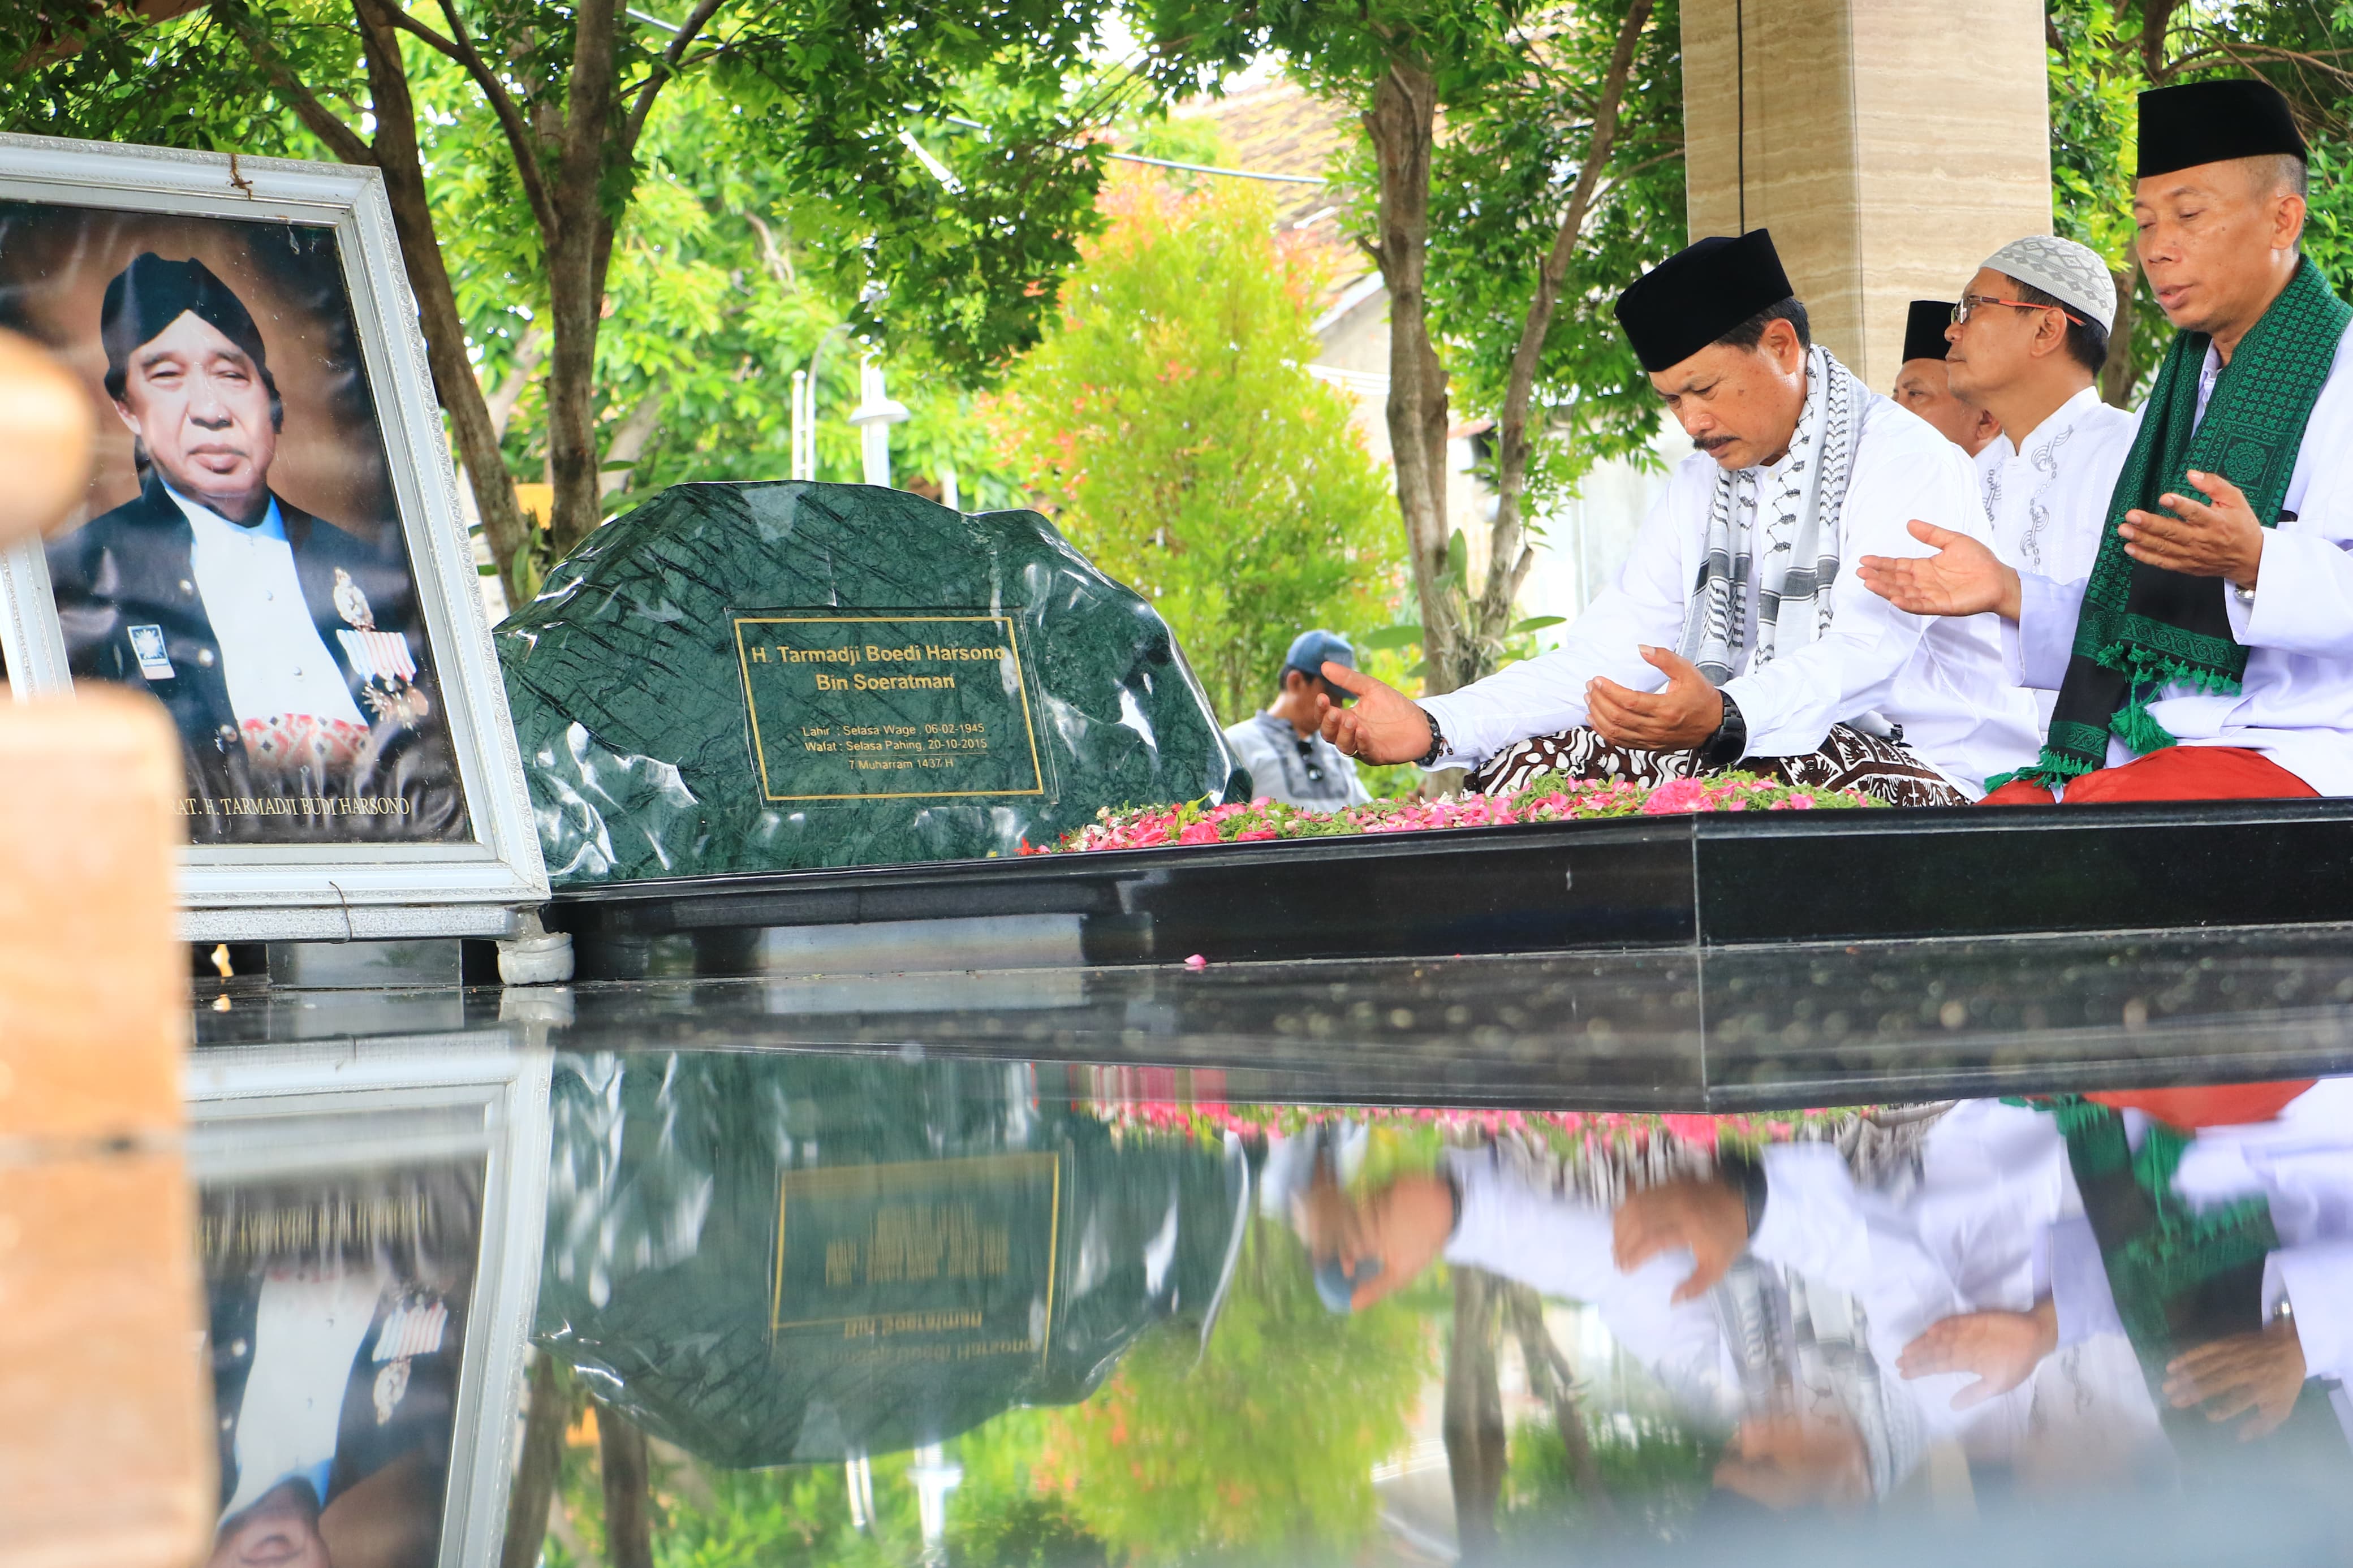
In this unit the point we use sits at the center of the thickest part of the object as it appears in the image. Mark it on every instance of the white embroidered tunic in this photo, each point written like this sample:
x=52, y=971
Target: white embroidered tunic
x=1940, y=679
x=2295, y=703
x=2047, y=500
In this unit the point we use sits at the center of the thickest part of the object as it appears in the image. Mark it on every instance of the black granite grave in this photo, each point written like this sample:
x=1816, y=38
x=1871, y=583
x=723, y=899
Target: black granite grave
x=1707, y=881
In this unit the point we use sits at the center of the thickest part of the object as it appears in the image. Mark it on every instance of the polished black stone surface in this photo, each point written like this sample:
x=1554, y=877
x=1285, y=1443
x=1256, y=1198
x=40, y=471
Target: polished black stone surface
x=1720, y=879
x=1739, y=1027
x=794, y=1254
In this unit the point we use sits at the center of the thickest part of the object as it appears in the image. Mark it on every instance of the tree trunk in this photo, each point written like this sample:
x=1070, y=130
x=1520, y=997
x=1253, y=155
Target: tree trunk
x=1473, y=1419
x=471, y=428
x=1554, y=1380
x=544, y=1421
x=1511, y=556
x=577, y=251
x=629, y=1490
x=1403, y=129
x=530, y=354
x=629, y=437
x=2118, y=376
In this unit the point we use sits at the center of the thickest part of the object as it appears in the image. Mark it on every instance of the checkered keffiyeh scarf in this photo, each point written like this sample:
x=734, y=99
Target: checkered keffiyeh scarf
x=1799, y=528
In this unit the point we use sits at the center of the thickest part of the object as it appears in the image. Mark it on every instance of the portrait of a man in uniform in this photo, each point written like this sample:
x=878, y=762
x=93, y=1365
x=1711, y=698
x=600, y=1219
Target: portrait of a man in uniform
x=287, y=649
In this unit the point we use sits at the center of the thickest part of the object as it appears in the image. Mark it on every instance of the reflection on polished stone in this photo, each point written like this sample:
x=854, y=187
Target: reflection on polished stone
x=1727, y=1030
x=864, y=1305
x=772, y=1259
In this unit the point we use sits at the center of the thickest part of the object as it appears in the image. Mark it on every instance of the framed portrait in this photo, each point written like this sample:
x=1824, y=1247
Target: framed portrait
x=271, y=543
x=369, y=1229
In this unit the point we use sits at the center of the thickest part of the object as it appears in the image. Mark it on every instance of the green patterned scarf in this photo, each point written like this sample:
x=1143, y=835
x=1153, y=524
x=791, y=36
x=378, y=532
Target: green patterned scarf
x=2144, y=628
x=2179, y=1277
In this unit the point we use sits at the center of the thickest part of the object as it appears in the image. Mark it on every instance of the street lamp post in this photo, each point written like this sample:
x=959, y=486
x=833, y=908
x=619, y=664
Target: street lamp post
x=872, y=419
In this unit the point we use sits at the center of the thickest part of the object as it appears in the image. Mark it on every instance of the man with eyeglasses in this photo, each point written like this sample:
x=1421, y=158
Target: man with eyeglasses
x=1288, y=759
x=2026, y=344
x=2206, y=652
x=1738, y=636
x=1922, y=385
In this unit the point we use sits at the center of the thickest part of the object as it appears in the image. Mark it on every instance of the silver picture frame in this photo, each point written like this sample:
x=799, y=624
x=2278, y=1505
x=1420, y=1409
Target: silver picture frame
x=322, y=892
x=278, y=1113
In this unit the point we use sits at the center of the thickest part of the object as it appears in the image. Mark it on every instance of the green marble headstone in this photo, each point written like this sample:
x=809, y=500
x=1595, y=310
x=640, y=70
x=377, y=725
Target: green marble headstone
x=772, y=676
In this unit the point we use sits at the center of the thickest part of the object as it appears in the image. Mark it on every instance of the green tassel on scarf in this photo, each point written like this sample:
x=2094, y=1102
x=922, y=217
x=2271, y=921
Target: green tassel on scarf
x=2142, y=628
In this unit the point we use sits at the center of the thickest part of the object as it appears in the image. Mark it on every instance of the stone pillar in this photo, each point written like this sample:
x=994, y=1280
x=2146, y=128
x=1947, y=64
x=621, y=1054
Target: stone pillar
x=1890, y=145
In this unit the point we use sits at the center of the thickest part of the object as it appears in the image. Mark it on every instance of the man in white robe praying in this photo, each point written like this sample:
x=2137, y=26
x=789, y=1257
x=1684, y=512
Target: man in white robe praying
x=2206, y=652
x=2026, y=344
x=1734, y=637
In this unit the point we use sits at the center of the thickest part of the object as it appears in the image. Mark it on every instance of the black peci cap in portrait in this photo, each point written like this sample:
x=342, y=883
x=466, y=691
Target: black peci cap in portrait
x=1699, y=294
x=2211, y=122
x=149, y=294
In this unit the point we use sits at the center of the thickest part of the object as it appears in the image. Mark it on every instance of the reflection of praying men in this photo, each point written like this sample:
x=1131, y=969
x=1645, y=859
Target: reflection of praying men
x=1723, y=1292
x=2218, y=1235
x=223, y=600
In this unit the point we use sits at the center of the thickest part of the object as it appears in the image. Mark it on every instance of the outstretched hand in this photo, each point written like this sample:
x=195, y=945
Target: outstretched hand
x=1403, y=1227
x=2002, y=1348
x=1963, y=578
x=1683, y=716
x=1384, y=726
x=2219, y=537
x=1703, y=1217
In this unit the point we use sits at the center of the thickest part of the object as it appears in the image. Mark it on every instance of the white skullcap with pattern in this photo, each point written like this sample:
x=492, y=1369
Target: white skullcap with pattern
x=2071, y=273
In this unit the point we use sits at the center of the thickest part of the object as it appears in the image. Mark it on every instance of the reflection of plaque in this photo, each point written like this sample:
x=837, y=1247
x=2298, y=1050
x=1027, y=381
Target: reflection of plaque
x=932, y=1260
x=887, y=707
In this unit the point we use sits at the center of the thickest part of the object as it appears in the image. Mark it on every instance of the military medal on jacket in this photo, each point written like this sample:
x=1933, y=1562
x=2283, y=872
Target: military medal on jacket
x=386, y=669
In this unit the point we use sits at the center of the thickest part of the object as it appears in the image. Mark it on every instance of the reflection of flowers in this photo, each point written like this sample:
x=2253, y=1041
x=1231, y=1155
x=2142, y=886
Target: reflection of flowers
x=1192, y=1101
x=1548, y=798
x=1700, y=1130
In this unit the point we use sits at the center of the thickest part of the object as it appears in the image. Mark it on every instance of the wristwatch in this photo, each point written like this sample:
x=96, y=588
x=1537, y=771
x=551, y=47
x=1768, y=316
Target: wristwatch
x=1730, y=742
x=1438, y=747
x=1744, y=1175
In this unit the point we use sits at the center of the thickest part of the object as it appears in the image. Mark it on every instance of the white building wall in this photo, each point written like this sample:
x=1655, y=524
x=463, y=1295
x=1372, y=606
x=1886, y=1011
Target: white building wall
x=1586, y=539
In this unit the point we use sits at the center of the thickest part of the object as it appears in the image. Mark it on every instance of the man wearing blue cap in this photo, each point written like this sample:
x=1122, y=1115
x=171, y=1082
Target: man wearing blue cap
x=1287, y=760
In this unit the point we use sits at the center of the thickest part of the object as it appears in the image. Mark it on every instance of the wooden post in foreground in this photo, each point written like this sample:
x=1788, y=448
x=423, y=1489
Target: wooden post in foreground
x=107, y=1452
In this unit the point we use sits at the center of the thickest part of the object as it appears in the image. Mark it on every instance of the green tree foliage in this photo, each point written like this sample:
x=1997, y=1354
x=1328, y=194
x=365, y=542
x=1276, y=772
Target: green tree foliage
x=1264, y=1442
x=718, y=293
x=1169, y=423
x=2104, y=53
x=1502, y=240
x=548, y=105
x=1656, y=1479
x=1496, y=190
